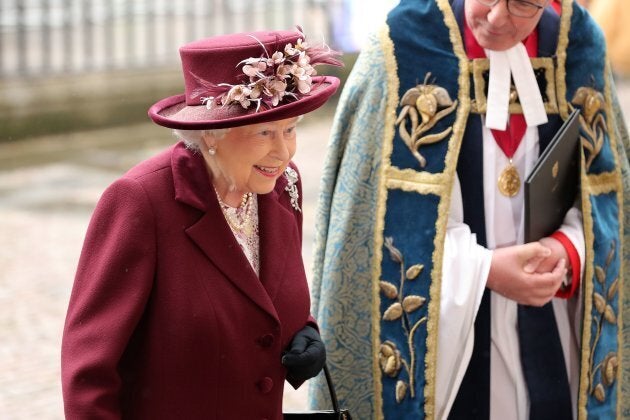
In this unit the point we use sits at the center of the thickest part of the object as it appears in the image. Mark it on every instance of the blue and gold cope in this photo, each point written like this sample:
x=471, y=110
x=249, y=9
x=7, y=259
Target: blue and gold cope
x=404, y=129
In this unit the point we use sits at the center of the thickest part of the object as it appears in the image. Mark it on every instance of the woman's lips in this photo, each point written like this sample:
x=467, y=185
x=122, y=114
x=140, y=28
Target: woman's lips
x=268, y=171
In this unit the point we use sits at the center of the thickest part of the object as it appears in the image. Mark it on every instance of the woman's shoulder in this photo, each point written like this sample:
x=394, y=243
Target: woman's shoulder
x=154, y=164
x=147, y=177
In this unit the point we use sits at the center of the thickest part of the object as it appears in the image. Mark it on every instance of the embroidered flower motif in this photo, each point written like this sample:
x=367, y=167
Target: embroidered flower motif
x=389, y=359
x=602, y=374
x=592, y=121
x=431, y=103
x=406, y=310
x=292, y=178
x=270, y=80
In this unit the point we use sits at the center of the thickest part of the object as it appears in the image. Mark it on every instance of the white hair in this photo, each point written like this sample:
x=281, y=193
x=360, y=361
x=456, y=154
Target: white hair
x=194, y=138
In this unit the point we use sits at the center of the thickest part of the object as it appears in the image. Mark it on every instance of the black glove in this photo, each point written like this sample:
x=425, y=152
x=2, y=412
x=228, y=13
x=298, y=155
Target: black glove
x=306, y=355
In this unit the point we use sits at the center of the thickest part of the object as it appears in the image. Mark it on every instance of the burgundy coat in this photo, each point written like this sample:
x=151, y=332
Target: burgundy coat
x=167, y=319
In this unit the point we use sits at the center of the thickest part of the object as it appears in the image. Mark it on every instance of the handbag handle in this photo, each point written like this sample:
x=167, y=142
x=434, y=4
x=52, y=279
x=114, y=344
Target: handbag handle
x=336, y=413
x=331, y=390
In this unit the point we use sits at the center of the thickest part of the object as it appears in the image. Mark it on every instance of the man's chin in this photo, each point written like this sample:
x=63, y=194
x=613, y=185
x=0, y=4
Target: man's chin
x=497, y=46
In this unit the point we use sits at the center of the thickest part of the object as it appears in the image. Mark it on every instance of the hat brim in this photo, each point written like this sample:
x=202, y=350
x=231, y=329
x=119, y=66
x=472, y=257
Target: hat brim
x=172, y=112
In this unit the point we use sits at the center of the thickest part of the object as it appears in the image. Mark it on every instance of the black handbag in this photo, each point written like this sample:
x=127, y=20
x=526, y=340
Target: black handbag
x=336, y=413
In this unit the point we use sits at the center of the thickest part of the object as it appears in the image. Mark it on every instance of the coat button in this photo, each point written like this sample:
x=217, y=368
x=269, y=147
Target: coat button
x=266, y=340
x=265, y=385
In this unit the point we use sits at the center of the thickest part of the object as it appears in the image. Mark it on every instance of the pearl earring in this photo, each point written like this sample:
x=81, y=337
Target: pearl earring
x=212, y=150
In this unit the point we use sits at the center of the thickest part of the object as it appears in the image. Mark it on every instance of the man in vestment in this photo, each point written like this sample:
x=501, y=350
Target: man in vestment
x=429, y=300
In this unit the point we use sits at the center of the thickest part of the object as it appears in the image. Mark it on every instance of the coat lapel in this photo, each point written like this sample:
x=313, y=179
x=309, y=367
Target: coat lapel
x=278, y=233
x=211, y=232
x=214, y=237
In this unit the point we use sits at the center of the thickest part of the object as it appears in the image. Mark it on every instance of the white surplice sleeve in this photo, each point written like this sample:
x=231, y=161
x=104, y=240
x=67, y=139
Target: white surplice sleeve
x=573, y=228
x=569, y=312
x=465, y=271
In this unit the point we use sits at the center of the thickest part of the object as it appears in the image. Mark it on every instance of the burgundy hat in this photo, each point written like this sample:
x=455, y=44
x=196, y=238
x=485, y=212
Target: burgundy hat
x=247, y=78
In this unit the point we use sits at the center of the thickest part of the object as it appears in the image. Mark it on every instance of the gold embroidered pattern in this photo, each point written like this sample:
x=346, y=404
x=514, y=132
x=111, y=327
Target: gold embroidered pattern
x=606, y=368
x=389, y=356
x=424, y=99
x=543, y=68
x=591, y=120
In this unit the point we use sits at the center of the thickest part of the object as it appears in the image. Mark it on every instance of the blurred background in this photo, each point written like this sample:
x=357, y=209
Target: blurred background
x=76, y=80
x=76, y=64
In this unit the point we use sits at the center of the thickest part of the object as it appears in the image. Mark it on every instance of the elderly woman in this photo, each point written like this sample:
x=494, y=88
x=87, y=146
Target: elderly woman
x=190, y=299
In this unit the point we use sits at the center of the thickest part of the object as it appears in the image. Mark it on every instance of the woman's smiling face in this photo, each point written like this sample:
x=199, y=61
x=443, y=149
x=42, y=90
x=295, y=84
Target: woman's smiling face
x=495, y=28
x=252, y=157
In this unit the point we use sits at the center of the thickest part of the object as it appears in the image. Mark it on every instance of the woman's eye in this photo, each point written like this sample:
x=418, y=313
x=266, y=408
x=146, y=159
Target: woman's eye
x=290, y=130
x=265, y=132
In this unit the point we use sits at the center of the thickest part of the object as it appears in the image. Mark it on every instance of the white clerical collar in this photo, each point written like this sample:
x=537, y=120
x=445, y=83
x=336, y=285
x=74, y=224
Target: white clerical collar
x=504, y=65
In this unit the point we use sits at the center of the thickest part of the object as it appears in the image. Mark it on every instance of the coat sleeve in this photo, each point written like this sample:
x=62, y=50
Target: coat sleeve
x=111, y=288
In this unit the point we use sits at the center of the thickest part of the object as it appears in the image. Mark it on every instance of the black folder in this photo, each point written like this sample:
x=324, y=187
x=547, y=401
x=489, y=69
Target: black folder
x=551, y=187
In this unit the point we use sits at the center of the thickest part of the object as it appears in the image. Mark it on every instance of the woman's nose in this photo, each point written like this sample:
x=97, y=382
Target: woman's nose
x=281, y=147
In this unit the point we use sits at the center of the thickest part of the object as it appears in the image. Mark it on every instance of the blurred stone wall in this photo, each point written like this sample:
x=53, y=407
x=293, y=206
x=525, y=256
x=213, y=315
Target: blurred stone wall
x=38, y=106
x=34, y=107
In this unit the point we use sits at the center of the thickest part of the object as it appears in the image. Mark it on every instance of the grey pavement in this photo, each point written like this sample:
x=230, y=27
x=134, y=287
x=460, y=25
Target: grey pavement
x=48, y=189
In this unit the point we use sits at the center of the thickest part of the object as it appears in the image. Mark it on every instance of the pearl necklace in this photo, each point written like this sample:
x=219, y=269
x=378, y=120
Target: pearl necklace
x=239, y=218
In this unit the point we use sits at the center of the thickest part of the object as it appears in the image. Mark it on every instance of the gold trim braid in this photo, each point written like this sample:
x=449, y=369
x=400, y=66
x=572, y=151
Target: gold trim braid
x=616, y=181
x=593, y=185
x=388, y=137
x=454, y=145
x=479, y=66
x=604, y=183
x=561, y=54
x=589, y=236
x=589, y=239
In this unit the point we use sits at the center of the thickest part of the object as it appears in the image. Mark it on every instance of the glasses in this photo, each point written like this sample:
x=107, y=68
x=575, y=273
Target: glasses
x=518, y=8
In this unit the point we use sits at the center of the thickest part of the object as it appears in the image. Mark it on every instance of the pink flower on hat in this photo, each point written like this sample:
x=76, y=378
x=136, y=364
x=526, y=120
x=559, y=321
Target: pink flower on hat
x=246, y=78
x=255, y=68
x=284, y=71
x=270, y=80
x=238, y=93
x=302, y=72
x=277, y=58
x=276, y=89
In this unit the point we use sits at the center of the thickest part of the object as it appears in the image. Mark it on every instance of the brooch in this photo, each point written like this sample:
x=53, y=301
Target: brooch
x=292, y=178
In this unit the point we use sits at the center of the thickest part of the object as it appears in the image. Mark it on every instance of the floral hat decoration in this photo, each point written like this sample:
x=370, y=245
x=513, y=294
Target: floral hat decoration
x=247, y=78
